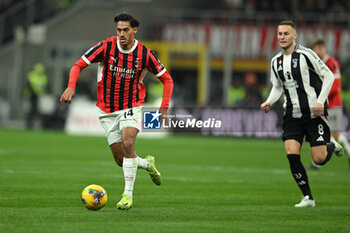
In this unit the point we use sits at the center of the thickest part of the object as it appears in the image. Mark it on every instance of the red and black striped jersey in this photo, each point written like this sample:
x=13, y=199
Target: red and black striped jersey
x=334, y=97
x=119, y=84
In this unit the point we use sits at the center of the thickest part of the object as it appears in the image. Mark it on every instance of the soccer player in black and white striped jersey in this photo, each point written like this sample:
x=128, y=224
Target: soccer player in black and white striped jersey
x=305, y=81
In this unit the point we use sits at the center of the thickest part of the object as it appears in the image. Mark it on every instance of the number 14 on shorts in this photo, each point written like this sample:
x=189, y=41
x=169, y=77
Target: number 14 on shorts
x=128, y=113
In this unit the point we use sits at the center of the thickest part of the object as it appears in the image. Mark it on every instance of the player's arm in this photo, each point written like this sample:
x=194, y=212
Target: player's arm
x=74, y=73
x=326, y=76
x=94, y=54
x=157, y=68
x=168, y=85
x=275, y=92
x=334, y=67
x=328, y=79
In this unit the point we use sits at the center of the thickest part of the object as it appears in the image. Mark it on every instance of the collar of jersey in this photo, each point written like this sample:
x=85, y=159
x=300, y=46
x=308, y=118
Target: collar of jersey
x=127, y=51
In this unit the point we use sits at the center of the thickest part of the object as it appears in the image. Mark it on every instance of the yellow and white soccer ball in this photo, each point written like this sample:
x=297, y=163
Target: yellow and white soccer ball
x=94, y=197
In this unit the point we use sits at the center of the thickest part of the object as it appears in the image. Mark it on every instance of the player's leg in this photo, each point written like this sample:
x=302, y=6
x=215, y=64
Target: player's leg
x=293, y=136
x=128, y=145
x=335, y=124
x=132, y=118
x=118, y=152
x=129, y=165
x=292, y=148
x=337, y=114
x=111, y=124
x=322, y=144
x=345, y=143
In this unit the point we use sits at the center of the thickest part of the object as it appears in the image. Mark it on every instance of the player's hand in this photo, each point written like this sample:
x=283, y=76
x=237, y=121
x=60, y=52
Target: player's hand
x=163, y=116
x=68, y=95
x=318, y=109
x=265, y=107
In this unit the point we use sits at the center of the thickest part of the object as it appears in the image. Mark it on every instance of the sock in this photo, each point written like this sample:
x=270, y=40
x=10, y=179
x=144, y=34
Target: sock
x=299, y=174
x=143, y=163
x=330, y=151
x=129, y=169
x=315, y=165
x=344, y=142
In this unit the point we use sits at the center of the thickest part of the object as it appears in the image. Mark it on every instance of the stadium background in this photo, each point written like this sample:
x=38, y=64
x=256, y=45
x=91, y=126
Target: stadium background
x=218, y=54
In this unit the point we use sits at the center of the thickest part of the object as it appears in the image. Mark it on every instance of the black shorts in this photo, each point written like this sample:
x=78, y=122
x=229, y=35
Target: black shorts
x=316, y=130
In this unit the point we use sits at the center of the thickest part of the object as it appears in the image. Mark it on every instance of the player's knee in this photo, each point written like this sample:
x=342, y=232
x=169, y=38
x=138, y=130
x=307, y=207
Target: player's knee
x=319, y=159
x=291, y=150
x=128, y=143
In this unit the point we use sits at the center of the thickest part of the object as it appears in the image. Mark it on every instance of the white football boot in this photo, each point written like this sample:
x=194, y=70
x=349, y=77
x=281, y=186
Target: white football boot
x=306, y=202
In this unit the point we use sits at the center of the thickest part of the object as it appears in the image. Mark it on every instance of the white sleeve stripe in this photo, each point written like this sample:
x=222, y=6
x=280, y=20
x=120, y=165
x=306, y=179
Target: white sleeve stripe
x=86, y=60
x=160, y=73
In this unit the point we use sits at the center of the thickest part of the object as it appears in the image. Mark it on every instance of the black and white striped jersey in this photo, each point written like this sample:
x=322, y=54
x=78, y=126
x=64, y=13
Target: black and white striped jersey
x=305, y=80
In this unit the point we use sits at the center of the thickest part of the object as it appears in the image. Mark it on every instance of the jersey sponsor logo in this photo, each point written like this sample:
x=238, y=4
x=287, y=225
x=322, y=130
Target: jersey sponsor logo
x=320, y=139
x=279, y=68
x=123, y=72
x=289, y=84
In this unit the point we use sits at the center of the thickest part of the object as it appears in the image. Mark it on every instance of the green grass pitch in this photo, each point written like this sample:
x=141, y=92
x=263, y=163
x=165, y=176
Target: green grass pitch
x=210, y=184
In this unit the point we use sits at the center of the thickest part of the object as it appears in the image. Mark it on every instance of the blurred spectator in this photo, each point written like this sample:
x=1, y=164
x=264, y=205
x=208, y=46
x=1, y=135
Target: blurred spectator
x=236, y=94
x=37, y=83
x=252, y=96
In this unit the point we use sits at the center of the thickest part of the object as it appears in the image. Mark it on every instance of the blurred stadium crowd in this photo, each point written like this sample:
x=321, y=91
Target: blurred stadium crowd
x=55, y=33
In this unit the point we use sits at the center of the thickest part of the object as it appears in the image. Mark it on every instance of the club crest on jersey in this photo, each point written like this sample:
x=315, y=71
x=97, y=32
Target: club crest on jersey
x=295, y=62
x=137, y=63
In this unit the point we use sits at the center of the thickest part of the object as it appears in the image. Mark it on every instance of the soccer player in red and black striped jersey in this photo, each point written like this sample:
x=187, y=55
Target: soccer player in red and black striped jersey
x=122, y=64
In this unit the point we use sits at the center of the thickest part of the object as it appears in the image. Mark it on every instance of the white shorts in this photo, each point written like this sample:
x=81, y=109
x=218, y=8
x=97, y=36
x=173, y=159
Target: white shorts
x=335, y=118
x=114, y=123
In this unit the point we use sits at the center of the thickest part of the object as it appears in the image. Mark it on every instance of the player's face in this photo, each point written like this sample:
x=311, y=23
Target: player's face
x=126, y=34
x=286, y=36
x=320, y=50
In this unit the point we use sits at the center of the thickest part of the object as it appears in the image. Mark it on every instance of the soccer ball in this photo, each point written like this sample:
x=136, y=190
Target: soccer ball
x=94, y=197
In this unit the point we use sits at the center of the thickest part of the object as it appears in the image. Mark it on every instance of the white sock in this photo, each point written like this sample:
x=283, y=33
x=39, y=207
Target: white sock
x=316, y=165
x=143, y=163
x=342, y=140
x=129, y=169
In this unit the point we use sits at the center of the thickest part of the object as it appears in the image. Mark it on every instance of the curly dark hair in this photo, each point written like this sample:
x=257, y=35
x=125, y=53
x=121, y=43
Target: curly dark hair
x=127, y=18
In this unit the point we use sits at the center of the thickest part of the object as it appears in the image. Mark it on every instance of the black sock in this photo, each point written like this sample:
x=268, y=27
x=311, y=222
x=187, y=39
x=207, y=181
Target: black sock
x=299, y=174
x=330, y=151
